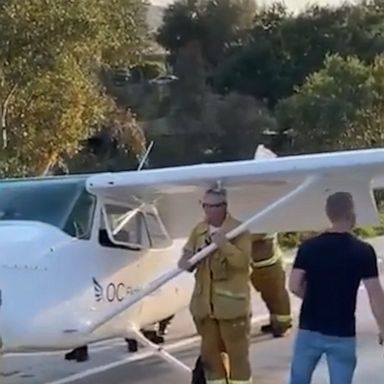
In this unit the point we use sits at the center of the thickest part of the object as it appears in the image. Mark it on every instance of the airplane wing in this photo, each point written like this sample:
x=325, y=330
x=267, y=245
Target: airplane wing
x=269, y=194
x=253, y=185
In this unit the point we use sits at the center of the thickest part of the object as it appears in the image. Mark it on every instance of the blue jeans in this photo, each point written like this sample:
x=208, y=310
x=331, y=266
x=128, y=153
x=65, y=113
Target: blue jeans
x=308, y=349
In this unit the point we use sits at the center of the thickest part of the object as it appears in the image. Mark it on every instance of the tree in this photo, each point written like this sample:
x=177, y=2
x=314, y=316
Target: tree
x=242, y=121
x=214, y=24
x=341, y=106
x=188, y=91
x=53, y=113
x=283, y=49
x=123, y=30
x=226, y=22
x=182, y=23
x=119, y=145
x=50, y=52
x=230, y=128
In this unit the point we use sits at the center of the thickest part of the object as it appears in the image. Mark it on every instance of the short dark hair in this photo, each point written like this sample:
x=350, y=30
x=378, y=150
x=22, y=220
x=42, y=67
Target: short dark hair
x=339, y=206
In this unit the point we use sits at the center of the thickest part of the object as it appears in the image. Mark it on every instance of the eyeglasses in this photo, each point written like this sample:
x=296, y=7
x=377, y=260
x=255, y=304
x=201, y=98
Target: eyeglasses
x=206, y=205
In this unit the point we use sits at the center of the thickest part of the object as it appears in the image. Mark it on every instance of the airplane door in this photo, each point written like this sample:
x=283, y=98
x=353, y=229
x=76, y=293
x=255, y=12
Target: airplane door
x=124, y=241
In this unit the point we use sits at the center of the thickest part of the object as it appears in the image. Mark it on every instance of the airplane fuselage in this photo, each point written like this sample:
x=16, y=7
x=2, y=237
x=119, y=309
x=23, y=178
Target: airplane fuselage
x=52, y=286
x=55, y=282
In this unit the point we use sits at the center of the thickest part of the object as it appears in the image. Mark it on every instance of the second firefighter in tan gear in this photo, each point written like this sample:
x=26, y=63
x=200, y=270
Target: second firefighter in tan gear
x=268, y=278
x=220, y=303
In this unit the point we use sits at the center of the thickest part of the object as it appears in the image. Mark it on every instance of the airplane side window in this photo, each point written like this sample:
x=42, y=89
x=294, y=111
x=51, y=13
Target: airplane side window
x=130, y=232
x=126, y=225
x=142, y=233
x=158, y=235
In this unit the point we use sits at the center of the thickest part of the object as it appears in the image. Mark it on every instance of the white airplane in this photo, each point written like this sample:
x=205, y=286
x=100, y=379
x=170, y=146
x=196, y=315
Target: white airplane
x=93, y=257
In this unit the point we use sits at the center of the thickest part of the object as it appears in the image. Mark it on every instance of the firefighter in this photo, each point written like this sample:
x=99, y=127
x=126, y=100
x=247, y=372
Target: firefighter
x=220, y=305
x=268, y=278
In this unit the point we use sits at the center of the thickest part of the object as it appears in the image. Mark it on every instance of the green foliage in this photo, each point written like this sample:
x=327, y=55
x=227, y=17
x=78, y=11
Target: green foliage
x=214, y=24
x=340, y=106
x=241, y=120
x=50, y=54
x=123, y=26
x=181, y=24
x=291, y=240
x=52, y=114
x=118, y=146
x=319, y=71
x=228, y=128
x=189, y=90
x=146, y=71
x=283, y=49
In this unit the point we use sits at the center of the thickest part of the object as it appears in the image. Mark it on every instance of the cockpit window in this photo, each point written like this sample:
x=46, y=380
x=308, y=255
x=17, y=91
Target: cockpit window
x=126, y=225
x=57, y=202
x=132, y=227
x=158, y=235
x=80, y=220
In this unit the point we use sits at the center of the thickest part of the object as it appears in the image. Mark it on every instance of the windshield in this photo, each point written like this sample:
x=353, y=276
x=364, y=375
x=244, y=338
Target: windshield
x=48, y=201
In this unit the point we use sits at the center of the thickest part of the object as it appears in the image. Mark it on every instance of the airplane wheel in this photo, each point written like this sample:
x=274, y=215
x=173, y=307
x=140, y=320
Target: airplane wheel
x=79, y=354
x=163, y=325
x=132, y=345
x=153, y=336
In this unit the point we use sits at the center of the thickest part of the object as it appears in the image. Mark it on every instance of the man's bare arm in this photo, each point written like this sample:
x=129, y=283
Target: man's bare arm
x=297, y=283
x=376, y=299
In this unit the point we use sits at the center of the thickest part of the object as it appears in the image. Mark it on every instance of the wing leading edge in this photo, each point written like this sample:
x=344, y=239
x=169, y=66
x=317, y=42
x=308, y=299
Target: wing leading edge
x=255, y=184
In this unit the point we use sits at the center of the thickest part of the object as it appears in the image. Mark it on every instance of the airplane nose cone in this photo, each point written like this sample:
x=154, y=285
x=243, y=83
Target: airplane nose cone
x=25, y=250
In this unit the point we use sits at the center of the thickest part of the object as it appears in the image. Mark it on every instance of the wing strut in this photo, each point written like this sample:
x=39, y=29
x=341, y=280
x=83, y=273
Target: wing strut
x=166, y=277
x=158, y=350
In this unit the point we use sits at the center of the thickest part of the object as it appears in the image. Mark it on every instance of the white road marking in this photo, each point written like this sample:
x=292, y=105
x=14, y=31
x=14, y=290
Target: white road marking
x=138, y=356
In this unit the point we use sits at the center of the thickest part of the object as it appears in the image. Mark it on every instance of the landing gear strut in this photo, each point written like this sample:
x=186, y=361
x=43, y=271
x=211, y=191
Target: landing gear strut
x=158, y=350
x=133, y=345
x=152, y=336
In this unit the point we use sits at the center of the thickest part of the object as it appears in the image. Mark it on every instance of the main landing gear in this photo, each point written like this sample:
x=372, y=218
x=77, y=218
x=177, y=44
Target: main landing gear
x=80, y=354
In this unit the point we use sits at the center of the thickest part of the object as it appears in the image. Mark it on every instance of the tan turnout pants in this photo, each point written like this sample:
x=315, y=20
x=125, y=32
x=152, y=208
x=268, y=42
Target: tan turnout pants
x=225, y=350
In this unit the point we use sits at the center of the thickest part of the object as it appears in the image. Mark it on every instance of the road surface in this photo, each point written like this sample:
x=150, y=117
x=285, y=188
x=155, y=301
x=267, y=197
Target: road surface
x=111, y=363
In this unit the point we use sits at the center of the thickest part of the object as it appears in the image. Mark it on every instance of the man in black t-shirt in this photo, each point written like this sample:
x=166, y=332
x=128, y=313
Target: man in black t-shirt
x=326, y=274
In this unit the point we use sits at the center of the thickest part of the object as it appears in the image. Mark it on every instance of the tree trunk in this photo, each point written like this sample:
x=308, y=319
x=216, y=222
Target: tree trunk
x=45, y=165
x=4, y=111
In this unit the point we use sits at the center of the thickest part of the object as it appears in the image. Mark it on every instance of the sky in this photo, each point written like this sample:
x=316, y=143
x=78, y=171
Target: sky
x=293, y=5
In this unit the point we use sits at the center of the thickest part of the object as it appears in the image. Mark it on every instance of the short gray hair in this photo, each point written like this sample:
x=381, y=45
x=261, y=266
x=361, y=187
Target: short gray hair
x=217, y=191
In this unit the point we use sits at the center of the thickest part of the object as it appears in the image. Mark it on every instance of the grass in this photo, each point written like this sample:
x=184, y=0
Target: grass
x=291, y=240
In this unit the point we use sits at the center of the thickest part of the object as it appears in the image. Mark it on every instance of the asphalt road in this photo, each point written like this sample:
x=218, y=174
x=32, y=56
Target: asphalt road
x=110, y=363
